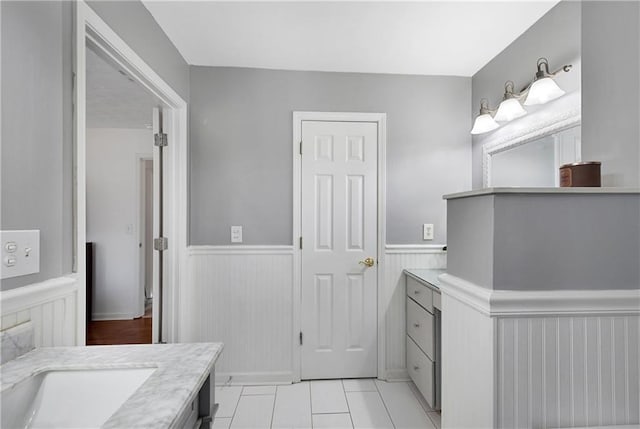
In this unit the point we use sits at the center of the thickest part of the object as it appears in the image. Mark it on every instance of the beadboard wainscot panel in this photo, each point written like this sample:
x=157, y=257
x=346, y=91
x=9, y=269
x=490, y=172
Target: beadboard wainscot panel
x=568, y=371
x=397, y=258
x=50, y=306
x=242, y=296
x=563, y=358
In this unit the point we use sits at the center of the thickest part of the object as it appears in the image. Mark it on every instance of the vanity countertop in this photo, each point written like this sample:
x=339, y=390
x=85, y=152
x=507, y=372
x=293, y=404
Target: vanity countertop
x=426, y=275
x=556, y=191
x=181, y=370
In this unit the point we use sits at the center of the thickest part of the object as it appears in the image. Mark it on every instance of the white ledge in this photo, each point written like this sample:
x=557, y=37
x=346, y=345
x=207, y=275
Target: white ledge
x=553, y=191
x=541, y=302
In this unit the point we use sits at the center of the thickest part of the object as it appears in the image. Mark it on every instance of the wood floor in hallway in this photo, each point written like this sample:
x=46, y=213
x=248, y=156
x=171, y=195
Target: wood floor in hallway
x=107, y=332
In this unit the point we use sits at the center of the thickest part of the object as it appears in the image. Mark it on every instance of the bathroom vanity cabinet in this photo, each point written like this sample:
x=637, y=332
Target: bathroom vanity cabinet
x=423, y=332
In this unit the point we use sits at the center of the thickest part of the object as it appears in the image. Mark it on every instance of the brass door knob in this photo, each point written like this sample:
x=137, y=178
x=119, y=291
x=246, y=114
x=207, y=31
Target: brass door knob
x=368, y=262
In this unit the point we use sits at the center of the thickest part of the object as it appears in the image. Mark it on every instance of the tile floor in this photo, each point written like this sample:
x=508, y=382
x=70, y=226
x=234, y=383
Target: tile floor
x=335, y=404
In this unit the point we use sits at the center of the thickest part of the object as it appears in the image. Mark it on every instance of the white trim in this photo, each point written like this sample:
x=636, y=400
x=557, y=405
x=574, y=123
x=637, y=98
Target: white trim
x=541, y=302
x=397, y=375
x=395, y=249
x=253, y=378
x=18, y=299
x=140, y=217
x=113, y=316
x=91, y=29
x=240, y=250
x=381, y=120
x=559, y=115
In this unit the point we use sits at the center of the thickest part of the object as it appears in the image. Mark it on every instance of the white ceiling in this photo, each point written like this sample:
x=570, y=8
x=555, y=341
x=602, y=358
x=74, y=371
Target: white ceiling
x=114, y=100
x=429, y=37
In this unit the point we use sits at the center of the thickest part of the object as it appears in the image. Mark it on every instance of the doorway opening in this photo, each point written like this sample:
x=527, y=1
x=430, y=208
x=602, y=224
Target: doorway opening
x=120, y=202
x=165, y=140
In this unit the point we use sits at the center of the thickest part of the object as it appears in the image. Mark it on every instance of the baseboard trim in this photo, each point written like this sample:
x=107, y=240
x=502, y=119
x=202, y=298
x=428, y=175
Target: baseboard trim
x=99, y=317
x=541, y=302
x=398, y=374
x=254, y=378
x=240, y=250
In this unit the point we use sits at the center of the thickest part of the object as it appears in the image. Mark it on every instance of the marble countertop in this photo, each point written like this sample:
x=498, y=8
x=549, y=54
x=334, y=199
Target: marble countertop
x=181, y=370
x=555, y=191
x=424, y=275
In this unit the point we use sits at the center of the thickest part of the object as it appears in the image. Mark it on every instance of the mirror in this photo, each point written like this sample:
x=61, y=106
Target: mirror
x=536, y=163
x=527, y=152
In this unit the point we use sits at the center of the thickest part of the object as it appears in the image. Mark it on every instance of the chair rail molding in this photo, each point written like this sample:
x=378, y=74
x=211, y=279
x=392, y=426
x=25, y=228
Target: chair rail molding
x=542, y=302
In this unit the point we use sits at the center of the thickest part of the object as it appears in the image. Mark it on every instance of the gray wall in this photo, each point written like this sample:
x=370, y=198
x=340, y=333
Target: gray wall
x=37, y=128
x=611, y=89
x=241, y=147
x=546, y=241
x=555, y=36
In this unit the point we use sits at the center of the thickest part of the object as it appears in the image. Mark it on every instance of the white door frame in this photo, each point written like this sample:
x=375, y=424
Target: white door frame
x=381, y=120
x=140, y=227
x=91, y=29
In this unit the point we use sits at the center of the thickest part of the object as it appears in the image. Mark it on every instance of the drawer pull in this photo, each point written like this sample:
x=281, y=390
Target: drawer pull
x=416, y=292
x=416, y=368
x=416, y=325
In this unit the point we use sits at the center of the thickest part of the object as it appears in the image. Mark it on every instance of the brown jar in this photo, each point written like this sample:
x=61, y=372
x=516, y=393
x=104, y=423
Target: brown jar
x=580, y=174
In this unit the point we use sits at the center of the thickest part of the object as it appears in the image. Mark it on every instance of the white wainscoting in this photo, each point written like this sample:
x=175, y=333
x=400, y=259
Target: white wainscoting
x=568, y=371
x=397, y=258
x=558, y=358
x=51, y=306
x=242, y=296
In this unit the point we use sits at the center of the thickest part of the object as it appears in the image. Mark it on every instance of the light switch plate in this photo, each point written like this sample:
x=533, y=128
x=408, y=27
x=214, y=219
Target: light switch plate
x=236, y=234
x=20, y=253
x=427, y=231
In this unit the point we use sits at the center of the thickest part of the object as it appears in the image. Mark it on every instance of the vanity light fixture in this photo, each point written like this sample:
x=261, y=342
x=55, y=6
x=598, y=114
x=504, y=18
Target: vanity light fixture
x=510, y=107
x=541, y=90
x=544, y=89
x=484, y=122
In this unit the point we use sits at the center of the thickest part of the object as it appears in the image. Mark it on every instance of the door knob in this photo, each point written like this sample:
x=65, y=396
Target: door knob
x=368, y=262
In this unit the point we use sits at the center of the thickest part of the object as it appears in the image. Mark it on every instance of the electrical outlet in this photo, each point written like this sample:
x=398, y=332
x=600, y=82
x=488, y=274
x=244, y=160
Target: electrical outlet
x=236, y=234
x=427, y=231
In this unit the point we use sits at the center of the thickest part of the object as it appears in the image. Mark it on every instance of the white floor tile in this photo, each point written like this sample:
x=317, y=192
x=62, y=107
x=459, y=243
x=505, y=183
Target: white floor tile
x=359, y=385
x=332, y=421
x=219, y=423
x=227, y=397
x=259, y=390
x=367, y=410
x=253, y=412
x=293, y=407
x=327, y=396
x=405, y=410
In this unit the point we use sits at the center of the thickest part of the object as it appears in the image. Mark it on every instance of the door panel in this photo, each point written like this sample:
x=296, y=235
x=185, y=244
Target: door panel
x=339, y=229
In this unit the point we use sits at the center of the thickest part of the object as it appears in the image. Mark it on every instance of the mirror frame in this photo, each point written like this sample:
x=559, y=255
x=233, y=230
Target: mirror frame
x=558, y=115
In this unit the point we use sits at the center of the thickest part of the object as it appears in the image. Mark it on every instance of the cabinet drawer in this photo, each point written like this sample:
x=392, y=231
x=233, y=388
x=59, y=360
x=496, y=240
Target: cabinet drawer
x=421, y=370
x=420, y=327
x=420, y=293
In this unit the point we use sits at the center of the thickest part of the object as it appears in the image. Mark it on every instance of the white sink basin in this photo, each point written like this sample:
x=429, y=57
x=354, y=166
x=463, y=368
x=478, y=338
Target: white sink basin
x=70, y=398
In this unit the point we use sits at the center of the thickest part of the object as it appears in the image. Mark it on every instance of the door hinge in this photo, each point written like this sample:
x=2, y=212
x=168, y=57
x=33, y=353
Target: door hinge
x=300, y=338
x=300, y=242
x=160, y=139
x=160, y=244
x=301, y=148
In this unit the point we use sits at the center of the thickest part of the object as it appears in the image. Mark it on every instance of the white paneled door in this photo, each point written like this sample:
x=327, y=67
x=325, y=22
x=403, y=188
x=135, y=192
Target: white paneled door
x=339, y=249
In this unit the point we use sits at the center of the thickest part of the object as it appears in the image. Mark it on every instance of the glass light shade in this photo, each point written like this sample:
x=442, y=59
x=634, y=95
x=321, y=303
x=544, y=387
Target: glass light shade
x=543, y=91
x=508, y=110
x=483, y=124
